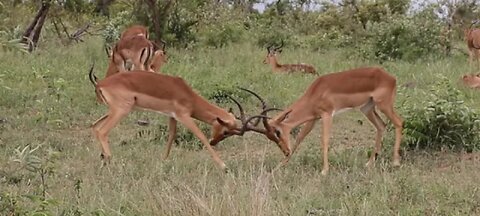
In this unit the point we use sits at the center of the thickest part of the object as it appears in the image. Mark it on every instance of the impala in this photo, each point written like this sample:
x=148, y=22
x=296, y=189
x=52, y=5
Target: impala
x=168, y=95
x=271, y=59
x=328, y=95
x=471, y=80
x=472, y=37
x=135, y=50
x=154, y=63
x=159, y=59
x=133, y=30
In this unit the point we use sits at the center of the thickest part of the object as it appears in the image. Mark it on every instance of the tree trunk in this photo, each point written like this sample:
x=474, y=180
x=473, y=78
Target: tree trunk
x=32, y=33
x=159, y=19
x=101, y=7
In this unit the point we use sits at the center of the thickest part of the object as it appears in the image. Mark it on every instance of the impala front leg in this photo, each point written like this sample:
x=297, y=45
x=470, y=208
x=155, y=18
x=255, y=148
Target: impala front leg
x=107, y=124
x=326, y=127
x=190, y=124
x=304, y=131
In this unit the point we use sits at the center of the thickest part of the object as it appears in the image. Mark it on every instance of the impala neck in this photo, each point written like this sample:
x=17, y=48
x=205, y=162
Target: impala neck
x=275, y=64
x=207, y=112
x=298, y=115
x=112, y=68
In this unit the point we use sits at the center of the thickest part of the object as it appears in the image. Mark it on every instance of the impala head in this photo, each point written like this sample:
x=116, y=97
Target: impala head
x=272, y=53
x=226, y=127
x=471, y=80
x=159, y=58
x=274, y=129
x=278, y=132
x=467, y=31
x=223, y=128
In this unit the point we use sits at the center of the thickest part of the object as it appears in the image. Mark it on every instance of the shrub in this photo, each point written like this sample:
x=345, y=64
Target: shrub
x=222, y=35
x=406, y=38
x=443, y=122
x=115, y=26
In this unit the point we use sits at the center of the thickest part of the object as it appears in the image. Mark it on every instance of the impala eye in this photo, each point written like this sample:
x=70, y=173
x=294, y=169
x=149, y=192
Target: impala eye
x=277, y=133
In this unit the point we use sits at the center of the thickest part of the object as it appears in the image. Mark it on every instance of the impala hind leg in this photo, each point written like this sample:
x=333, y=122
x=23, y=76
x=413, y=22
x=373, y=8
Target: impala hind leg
x=101, y=130
x=389, y=111
x=378, y=123
x=326, y=127
x=172, y=130
x=99, y=122
x=190, y=124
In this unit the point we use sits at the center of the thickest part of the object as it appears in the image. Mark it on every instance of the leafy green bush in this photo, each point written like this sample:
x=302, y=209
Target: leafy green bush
x=401, y=37
x=222, y=35
x=115, y=26
x=443, y=122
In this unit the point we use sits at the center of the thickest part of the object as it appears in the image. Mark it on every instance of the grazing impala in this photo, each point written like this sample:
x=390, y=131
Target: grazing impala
x=271, y=59
x=364, y=88
x=472, y=37
x=158, y=59
x=167, y=95
x=132, y=52
x=135, y=50
x=135, y=30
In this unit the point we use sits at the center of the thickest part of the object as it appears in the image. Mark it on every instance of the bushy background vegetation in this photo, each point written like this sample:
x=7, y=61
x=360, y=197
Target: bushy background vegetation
x=49, y=162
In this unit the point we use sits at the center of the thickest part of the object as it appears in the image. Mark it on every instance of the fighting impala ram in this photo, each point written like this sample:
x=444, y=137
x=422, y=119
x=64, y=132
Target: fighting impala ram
x=328, y=95
x=168, y=95
x=271, y=59
x=472, y=37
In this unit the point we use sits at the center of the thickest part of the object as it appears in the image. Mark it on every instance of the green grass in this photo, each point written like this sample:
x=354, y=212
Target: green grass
x=47, y=100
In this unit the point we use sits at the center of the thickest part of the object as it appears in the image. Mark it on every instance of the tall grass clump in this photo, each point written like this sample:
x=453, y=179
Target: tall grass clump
x=443, y=121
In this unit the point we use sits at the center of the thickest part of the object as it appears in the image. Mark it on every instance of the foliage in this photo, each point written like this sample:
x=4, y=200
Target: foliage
x=40, y=204
x=114, y=27
x=407, y=38
x=444, y=121
x=9, y=40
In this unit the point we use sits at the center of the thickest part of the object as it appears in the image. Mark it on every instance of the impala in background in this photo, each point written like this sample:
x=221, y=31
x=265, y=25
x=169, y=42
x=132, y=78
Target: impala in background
x=472, y=37
x=134, y=51
x=271, y=59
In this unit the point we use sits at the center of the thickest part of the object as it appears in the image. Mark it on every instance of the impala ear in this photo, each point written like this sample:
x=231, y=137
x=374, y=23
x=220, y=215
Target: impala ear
x=223, y=123
x=284, y=116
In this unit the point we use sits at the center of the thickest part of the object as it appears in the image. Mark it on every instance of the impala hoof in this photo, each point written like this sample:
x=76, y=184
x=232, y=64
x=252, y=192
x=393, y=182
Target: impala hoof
x=396, y=163
x=105, y=159
x=324, y=172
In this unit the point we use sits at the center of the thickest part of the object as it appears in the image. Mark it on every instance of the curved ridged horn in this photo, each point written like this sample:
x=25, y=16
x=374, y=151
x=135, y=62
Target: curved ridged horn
x=92, y=76
x=279, y=47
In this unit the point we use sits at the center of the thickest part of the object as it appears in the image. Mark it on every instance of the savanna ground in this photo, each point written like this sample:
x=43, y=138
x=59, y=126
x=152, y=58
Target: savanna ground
x=47, y=102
